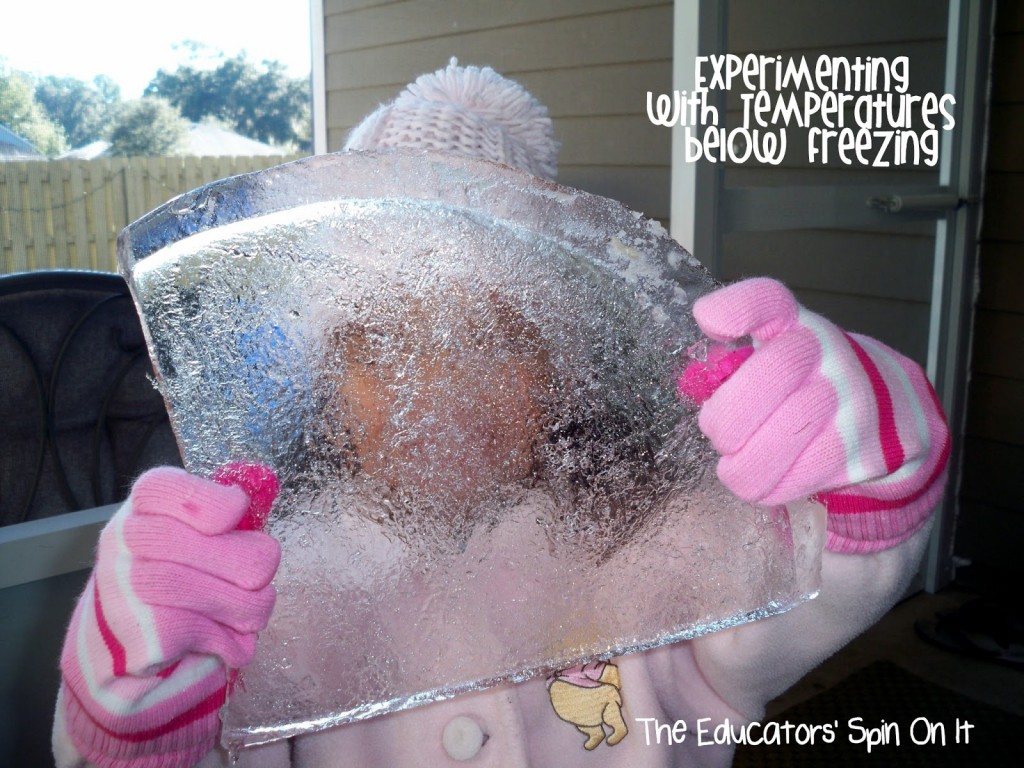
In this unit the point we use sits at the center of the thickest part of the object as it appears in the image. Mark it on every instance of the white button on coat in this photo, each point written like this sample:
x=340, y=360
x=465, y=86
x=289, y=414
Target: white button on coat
x=462, y=738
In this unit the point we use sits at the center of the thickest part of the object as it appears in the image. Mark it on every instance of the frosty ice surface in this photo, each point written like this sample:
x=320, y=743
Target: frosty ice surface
x=465, y=378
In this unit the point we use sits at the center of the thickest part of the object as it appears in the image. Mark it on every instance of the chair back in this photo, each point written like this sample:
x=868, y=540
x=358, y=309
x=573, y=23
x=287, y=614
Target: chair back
x=80, y=417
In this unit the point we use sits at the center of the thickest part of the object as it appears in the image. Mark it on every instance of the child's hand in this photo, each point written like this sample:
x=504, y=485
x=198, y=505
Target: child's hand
x=178, y=593
x=818, y=411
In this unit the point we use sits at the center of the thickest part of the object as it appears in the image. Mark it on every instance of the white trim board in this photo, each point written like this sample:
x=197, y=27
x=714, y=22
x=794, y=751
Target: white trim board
x=51, y=546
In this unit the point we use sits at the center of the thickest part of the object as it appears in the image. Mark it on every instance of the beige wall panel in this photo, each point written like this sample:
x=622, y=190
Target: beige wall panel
x=336, y=138
x=619, y=88
x=332, y=7
x=346, y=108
x=990, y=528
x=792, y=24
x=632, y=35
x=591, y=62
x=642, y=189
x=422, y=19
x=611, y=141
x=613, y=89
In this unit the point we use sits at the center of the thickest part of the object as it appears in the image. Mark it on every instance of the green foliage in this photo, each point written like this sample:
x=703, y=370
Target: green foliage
x=260, y=102
x=21, y=113
x=86, y=111
x=147, y=127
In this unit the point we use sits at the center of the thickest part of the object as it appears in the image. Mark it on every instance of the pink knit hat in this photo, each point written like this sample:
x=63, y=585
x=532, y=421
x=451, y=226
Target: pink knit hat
x=469, y=111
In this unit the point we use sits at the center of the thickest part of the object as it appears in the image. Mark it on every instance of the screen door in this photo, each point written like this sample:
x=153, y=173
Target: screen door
x=880, y=239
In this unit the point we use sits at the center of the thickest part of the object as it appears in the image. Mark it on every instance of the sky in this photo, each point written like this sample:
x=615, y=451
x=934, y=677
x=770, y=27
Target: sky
x=129, y=40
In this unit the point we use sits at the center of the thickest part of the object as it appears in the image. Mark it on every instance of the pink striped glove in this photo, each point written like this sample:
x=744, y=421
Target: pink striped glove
x=816, y=411
x=178, y=593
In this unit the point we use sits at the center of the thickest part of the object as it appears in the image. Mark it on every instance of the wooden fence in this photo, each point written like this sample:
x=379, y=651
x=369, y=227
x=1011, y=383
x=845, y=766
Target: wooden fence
x=65, y=214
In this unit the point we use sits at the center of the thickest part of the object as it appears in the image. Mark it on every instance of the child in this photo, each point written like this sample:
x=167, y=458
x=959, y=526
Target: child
x=468, y=391
x=809, y=411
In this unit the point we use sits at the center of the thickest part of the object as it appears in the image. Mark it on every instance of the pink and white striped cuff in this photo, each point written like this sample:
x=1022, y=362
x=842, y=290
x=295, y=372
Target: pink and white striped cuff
x=911, y=434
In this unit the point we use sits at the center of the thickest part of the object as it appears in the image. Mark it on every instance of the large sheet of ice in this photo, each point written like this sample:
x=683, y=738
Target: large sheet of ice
x=465, y=379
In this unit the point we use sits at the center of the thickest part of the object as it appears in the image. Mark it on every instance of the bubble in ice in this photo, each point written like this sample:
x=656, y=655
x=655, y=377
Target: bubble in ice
x=465, y=378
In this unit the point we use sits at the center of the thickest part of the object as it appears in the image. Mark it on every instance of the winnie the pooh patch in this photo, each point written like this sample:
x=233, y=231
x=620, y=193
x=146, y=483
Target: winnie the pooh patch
x=589, y=696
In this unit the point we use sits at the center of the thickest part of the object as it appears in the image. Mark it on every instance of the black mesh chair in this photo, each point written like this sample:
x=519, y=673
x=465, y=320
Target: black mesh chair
x=80, y=417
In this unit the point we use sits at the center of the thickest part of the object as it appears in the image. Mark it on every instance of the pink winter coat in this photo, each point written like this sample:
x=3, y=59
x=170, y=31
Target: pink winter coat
x=657, y=708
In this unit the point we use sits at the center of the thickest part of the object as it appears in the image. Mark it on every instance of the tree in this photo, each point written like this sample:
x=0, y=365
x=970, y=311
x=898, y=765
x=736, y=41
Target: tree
x=86, y=111
x=146, y=127
x=21, y=113
x=260, y=102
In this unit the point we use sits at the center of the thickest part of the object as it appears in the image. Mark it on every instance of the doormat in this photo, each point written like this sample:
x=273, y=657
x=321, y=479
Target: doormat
x=884, y=715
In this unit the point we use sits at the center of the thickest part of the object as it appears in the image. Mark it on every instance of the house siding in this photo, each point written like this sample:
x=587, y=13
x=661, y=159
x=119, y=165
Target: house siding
x=591, y=62
x=991, y=525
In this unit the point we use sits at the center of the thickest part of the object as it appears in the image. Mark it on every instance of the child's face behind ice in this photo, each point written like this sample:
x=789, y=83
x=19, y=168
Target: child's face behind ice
x=445, y=403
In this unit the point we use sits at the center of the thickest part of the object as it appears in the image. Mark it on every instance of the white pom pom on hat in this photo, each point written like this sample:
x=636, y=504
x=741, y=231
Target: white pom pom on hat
x=469, y=111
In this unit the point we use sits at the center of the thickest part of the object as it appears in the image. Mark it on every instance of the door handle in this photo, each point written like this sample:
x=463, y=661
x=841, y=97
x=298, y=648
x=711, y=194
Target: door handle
x=916, y=203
